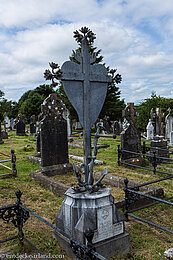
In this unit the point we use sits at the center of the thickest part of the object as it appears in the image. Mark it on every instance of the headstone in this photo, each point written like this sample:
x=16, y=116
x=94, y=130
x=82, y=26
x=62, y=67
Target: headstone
x=150, y=130
x=4, y=133
x=116, y=128
x=32, y=125
x=107, y=124
x=171, y=138
x=12, y=123
x=7, y=120
x=53, y=137
x=130, y=136
x=158, y=117
x=1, y=141
x=89, y=205
x=169, y=124
x=66, y=115
x=160, y=147
x=20, y=126
x=78, y=126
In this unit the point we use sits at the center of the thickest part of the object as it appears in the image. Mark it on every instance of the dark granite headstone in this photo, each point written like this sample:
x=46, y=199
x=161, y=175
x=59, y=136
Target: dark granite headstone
x=107, y=124
x=160, y=147
x=53, y=134
x=32, y=125
x=130, y=136
x=20, y=126
x=116, y=128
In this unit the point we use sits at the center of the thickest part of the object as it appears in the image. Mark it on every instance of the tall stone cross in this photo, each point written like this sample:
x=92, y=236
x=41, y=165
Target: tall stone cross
x=85, y=84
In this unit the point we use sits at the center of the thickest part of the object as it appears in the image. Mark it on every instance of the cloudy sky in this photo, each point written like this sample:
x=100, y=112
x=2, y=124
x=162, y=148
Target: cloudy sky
x=136, y=37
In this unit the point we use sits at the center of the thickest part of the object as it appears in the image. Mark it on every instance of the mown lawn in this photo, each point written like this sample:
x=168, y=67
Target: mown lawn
x=145, y=241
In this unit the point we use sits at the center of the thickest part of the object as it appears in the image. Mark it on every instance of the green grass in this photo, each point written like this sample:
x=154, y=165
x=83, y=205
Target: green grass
x=145, y=241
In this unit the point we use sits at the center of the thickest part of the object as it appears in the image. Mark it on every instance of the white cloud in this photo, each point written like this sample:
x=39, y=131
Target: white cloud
x=136, y=38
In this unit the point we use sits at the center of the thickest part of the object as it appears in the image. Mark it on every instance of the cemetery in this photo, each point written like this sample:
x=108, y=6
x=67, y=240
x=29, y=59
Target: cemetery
x=96, y=190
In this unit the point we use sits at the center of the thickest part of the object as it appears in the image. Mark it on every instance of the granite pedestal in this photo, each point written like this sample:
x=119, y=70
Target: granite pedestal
x=98, y=212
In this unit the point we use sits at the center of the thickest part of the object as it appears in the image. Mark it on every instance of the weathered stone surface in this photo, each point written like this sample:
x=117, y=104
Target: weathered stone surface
x=20, y=126
x=162, y=144
x=53, y=134
x=116, y=128
x=57, y=169
x=50, y=184
x=130, y=136
x=169, y=254
x=97, y=211
x=150, y=130
x=1, y=141
x=171, y=138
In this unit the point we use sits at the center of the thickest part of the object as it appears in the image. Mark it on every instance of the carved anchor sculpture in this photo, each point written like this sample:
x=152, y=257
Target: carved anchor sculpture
x=85, y=84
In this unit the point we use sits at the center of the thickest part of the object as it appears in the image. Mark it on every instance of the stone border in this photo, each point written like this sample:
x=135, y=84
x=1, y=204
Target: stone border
x=59, y=188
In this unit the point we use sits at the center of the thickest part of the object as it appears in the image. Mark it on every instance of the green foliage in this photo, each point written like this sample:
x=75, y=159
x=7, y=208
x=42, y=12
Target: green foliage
x=30, y=102
x=145, y=107
x=10, y=107
x=113, y=106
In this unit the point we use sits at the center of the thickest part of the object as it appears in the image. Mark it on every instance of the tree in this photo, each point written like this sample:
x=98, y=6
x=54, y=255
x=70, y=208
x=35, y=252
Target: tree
x=10, y=107
x=144, y=109
x=30, y=102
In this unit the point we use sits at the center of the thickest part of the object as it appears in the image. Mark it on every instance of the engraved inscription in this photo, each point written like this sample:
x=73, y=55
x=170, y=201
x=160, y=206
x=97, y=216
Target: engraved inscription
x=106, y=229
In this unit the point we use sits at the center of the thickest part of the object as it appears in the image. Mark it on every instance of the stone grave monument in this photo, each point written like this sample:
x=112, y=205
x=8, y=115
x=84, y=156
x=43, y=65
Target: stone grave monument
x=107, y=124
x=12, y=123
x=150, y=130
x=171, y=138
x=89, y=205
x=53, y=138
x=116, y=128
x=4, y=133
x=169, y=124
x=1, y=141
x=158, y=117
x=32, y=125
x=66, y=115
x=7, y=120
x=20, y=125
x=130, y=136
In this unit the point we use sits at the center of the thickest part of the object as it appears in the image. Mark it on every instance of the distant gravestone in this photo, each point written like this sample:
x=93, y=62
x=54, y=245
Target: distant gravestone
x=53, y=137
x=116, y=128
x=20, y=126
x=160, y=147
x=12, y=123
x=150, y=130
x=171, y=138
x=130, y=136
x=169, y=124
x=32, y=125
x=7, y=120
x=1, y=142
x=66, y=115
x=4, y=133
x=158, y=117
x=107, y=124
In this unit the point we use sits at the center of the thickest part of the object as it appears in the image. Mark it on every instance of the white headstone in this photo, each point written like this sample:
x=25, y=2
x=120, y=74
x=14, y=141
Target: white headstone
x=7, y=120
x=171, y=138
x=150, y=130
